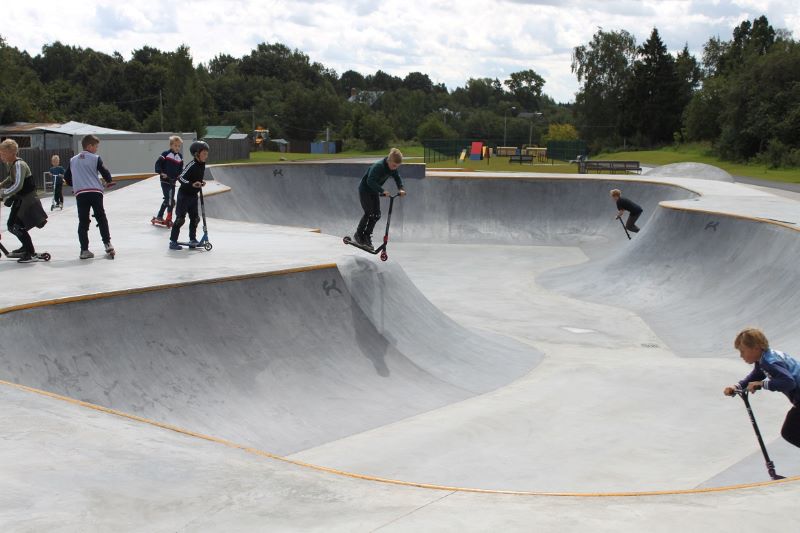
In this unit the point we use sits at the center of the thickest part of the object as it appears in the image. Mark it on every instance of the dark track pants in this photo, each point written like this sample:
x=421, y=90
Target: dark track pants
x=791, y=426
x=166, y=205
x=17, y=228
x=187, y=203
x=93, y=201
x=371, y=204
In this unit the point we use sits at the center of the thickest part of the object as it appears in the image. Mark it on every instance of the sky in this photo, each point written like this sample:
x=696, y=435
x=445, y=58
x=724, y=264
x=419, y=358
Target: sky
x=450, y=41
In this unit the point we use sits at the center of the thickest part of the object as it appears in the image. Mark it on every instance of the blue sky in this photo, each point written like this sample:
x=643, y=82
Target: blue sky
x=450, y=41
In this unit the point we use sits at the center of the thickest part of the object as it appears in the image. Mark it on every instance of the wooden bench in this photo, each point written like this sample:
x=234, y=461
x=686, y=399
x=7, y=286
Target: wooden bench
x=503, y=151
x=523, y=158
x=585, y=167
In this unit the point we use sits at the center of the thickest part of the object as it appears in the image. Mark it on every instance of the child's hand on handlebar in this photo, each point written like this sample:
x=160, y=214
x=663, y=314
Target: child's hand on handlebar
x=401, y=192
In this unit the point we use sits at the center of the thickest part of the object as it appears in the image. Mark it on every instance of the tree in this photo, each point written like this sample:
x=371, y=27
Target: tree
x=654, y=103
x=375, y=131
x=434, y=128
x=526, y=86
x=560, y=132
x=604, y=66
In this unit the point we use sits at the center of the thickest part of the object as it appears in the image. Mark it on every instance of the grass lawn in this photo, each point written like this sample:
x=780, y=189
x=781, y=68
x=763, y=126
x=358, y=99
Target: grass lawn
x=700, y=154
x=664, y=156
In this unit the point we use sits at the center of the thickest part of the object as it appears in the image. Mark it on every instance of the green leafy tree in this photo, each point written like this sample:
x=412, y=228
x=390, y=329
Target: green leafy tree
x=375, y=131
x=604, y=67
x=560, y=132
x=654, y=106
x=434, y=127
x=526, y=86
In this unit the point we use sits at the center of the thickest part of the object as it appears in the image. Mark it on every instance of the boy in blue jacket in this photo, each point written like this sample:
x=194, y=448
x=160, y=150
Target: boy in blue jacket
x=370, y=189
x=773, y=371
x=169, y=166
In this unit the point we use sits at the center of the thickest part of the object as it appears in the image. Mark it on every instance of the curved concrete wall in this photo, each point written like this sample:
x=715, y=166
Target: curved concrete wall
x=281, y=362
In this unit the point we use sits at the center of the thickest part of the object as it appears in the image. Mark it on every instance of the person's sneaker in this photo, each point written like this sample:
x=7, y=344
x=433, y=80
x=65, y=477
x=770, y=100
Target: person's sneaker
x=194, y=243
x=367, y=241
x=86, y=254
x=16, y=254
x=26, y=258
x=109, y=247
x=159, y=220
x=175, y=246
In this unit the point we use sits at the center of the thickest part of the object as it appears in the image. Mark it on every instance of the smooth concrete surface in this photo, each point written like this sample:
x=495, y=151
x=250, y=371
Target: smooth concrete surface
x=514, y=341
x=688, y=170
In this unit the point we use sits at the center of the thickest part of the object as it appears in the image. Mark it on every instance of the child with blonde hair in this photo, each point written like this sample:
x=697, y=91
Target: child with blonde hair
x=57, y=171
x=773, y=371
x=20, y=195
x=370, y=189
x=169, y=166
x=624, y=204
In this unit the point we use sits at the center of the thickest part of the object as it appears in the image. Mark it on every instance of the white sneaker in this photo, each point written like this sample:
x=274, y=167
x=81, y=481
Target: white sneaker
x=109, y=247
x=86, y=254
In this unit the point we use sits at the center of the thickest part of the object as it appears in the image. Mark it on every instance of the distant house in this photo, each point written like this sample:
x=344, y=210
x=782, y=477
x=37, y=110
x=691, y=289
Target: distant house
x=124, y=152
x=364, y=97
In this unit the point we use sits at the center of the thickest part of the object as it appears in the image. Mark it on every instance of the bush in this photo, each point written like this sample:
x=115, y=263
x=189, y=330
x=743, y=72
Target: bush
x=375, y=131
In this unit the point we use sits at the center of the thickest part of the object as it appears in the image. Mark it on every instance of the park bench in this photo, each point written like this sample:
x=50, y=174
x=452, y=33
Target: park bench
x=585, y=167
x=521, y=158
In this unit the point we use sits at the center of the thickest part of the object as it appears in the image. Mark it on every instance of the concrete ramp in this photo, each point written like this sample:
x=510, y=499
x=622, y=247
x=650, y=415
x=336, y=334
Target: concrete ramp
x=280, y=362
x=698, y=278
x=441, y=208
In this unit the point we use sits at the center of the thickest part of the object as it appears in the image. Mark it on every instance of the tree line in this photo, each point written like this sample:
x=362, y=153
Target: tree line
x=742, y=96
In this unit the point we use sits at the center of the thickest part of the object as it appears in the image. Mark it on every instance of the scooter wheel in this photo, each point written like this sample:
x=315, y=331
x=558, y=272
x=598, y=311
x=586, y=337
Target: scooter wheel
x=346, y=240
x=45, y=256
x=208, y=246
x=384, y=256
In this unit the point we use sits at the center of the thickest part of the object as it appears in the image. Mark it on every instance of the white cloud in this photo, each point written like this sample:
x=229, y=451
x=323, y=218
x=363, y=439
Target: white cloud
x=450, y=41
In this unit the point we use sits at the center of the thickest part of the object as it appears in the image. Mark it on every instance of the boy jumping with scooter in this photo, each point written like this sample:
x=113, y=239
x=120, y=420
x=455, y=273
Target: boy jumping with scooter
x=624, y=204
x=370, y=189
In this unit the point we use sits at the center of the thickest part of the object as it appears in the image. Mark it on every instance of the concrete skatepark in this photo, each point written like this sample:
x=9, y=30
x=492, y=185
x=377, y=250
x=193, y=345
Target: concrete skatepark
x=517, y=364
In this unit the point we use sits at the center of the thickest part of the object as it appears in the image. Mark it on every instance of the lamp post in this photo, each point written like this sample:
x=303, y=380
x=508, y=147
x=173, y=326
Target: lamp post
x=505, y=124
x=531, y=116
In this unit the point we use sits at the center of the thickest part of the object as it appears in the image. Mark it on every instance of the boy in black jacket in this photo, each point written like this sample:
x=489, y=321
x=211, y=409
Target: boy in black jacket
x=624, y=204
x=191, y=179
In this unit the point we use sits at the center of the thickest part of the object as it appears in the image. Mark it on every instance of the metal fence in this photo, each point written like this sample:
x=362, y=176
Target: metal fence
x=566, y=150
x=39, y=161
x=436, y=150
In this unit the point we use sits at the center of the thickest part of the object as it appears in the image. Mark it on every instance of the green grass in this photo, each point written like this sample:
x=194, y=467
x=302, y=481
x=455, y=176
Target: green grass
x=696, y=153
x=700, y=154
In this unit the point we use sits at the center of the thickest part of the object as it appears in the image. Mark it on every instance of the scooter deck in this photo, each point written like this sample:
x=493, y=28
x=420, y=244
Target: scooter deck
x=368, y=249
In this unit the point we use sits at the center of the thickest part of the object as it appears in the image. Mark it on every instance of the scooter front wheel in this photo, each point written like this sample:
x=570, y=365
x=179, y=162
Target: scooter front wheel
x=208, y=246
x=384, y=256
x=45, y=256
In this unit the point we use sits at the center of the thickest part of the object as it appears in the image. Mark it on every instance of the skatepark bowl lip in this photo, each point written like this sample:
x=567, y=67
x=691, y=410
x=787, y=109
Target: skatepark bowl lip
x=364, y=477
x=324, y=469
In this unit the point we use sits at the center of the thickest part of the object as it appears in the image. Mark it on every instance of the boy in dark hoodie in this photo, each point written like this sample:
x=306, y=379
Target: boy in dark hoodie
x=191, y=180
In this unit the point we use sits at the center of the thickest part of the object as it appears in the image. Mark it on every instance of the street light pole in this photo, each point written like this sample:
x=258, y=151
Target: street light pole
x=505, y=124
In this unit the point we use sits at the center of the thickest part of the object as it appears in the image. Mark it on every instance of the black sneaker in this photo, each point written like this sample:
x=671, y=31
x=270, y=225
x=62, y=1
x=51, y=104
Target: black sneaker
x=16, y=254
x=26, y=258
x=367, y=241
